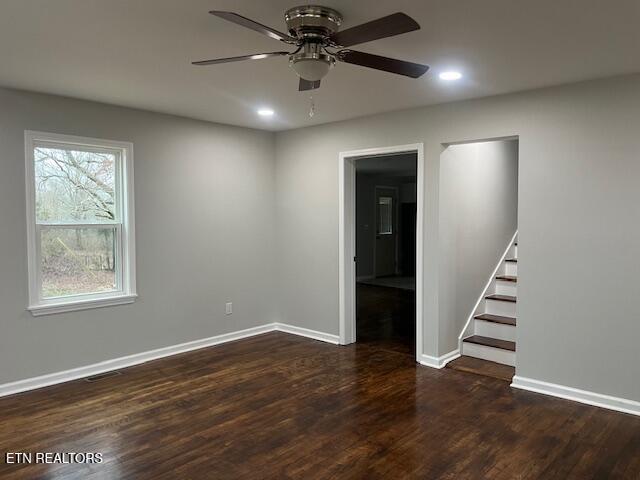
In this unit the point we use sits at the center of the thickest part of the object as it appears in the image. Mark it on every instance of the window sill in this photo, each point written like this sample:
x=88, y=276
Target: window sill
x=73, y=306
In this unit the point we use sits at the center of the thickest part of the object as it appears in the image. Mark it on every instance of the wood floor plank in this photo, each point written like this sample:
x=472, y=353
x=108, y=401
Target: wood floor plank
x=279, y=406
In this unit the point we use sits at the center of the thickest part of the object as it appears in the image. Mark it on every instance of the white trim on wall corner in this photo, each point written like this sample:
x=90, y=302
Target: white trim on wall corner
x=143, y=357
x=439, y=362
x=582, y=396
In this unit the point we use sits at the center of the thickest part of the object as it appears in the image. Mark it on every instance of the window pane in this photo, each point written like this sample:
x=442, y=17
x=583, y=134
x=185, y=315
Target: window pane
x=385, y=215
x=78, y=261
x=73, y=185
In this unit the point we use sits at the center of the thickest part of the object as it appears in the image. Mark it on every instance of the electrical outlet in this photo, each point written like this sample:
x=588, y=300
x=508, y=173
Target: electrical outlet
x=229, y=308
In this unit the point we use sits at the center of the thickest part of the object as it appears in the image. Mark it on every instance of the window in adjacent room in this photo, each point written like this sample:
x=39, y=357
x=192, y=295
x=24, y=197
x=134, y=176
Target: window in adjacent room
x=80, y=222
x=385, y=212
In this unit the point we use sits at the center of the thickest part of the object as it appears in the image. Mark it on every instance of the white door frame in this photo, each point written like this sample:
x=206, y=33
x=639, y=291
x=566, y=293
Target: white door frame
x=347, y=237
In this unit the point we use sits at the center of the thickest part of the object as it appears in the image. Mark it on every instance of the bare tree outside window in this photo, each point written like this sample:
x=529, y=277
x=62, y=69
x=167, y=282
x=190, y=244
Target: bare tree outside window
x=81, y=227
x=76, y=187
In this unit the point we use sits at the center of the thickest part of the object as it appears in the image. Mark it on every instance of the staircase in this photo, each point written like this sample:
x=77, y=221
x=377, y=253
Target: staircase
x=494, y=322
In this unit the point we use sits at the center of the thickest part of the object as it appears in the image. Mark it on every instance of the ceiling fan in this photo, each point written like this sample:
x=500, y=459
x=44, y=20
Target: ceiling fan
x=313, y=30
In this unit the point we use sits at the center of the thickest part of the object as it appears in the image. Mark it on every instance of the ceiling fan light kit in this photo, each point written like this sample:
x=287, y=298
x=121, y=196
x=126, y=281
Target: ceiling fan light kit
x=311, y=63
x=314, y=31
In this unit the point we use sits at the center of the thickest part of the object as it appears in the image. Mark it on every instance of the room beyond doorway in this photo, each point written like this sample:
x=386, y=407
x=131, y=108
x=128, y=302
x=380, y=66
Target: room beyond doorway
x=385, y=219
x=347, y=238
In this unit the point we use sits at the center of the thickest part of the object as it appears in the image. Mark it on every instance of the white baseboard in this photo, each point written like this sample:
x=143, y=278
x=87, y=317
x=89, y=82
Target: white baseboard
x=305, y=332
x=438, y=362
x=583, y=396
x=138, y=358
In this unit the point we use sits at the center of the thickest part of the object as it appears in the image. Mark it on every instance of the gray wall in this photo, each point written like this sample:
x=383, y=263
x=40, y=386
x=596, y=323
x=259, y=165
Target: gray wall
x=212, y=186
x=579, y=225
x=478, y=217
x=205, y=216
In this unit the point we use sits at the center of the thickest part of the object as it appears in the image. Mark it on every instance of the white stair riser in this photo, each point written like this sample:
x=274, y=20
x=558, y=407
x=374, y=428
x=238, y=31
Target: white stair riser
x=495, y=330
x=506, y=288
x=497, y=307
x=492, y=354
x=511, y=268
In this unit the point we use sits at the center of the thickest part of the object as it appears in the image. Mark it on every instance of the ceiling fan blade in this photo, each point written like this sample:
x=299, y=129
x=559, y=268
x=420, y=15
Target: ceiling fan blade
x=257, y=56
x=255, y=26
x=307, y=85
x=391, y=65
x=384, y=27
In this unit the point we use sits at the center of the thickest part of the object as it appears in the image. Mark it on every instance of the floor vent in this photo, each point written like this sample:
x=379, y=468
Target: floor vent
x=102, y=376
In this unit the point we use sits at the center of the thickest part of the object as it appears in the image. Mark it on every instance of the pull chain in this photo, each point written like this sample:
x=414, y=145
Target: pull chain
x=312, y=107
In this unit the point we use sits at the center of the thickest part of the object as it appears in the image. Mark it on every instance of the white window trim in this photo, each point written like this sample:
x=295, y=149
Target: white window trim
x=127, y=292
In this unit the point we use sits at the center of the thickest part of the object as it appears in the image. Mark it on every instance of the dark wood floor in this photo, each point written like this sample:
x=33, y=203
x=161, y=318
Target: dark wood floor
x=279, y=406
x=483, y=367
x=386, y=318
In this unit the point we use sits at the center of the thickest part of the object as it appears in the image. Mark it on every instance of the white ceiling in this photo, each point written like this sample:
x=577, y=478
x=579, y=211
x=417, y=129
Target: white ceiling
x=137, y=53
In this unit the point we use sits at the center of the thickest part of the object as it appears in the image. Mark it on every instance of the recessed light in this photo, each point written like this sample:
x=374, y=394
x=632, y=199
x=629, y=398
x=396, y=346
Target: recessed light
x=450, y=76
x=265, y=112
x=259, y=56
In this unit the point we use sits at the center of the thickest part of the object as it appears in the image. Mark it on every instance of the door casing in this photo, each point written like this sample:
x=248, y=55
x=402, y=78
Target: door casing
x=347, y=238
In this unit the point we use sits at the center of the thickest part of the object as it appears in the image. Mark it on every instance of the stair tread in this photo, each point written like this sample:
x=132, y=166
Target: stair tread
x=512, y=260
x=482, y=367
x=507, y=278
x=489, y=317
x=502, y=298
x=491, y=342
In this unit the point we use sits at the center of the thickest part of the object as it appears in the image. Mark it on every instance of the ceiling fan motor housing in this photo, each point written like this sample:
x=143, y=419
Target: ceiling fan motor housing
x=312, y=22
x=312, y=25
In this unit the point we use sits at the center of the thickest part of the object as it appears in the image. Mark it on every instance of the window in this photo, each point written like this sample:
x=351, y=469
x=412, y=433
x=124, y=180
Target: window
x=80, y=223
x=385, y=215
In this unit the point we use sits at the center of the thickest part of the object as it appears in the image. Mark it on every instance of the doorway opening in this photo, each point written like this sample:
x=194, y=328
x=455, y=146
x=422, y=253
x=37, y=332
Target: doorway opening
x=478, y=276
x=381, y=205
